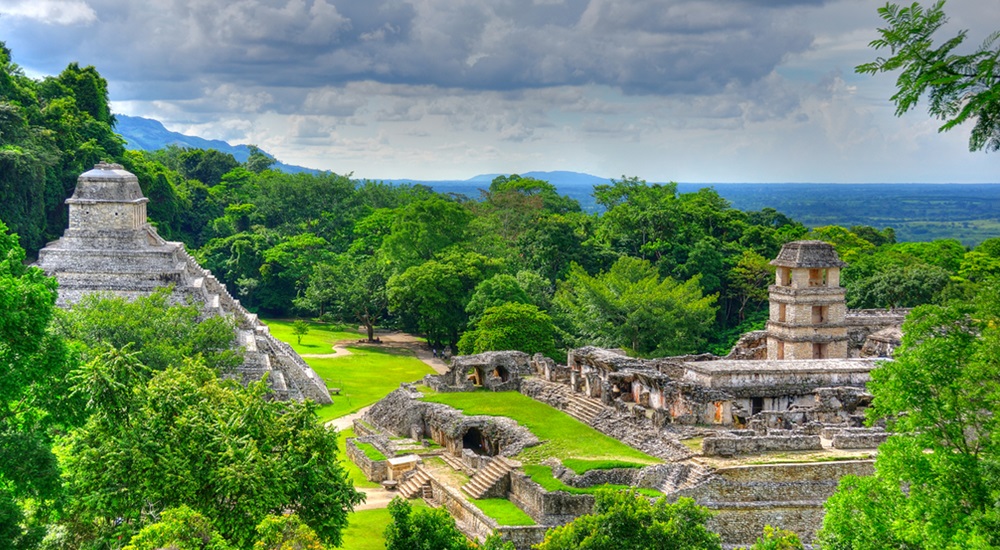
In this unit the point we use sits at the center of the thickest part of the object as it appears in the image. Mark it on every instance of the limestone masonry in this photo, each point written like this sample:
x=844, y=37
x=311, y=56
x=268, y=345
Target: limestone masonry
x=110, y=247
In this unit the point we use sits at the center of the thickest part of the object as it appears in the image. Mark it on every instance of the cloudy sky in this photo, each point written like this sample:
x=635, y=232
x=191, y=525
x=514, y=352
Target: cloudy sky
x=682, y=90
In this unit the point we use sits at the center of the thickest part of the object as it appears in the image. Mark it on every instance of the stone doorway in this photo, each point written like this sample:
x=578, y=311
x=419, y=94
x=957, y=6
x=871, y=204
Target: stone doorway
x=475, y=441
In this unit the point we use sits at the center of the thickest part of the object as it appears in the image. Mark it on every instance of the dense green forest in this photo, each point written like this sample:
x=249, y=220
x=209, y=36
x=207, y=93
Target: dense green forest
x=106, y=387
x=658, y=272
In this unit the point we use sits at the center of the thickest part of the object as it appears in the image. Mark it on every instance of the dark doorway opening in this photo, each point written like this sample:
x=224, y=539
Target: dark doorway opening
x=476, y=376
x=502, y=373
x=756, y=405
x=475, y=441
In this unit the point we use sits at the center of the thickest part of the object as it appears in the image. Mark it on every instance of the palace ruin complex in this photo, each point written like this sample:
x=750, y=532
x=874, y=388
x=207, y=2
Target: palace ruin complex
x=110, y=247
x=796, y=387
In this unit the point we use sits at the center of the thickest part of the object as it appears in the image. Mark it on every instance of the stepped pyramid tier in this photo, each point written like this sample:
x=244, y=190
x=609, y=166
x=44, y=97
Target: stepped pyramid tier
x=110, y=247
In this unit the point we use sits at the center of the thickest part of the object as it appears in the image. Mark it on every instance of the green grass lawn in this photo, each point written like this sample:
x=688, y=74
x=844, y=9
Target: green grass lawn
x=370, y=451
x=355, y=473
x=582, y=466
x=542, y=475
x=562, y=435
x=504, y=511
x=365, y=528
x=365, y=376
x=320, y=338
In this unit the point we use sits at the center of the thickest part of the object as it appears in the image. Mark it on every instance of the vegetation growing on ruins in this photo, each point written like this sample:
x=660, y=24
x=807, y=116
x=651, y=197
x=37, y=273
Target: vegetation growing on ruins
x=563, y=435
x=580, y=466
x=504, y=511
x=543, y=476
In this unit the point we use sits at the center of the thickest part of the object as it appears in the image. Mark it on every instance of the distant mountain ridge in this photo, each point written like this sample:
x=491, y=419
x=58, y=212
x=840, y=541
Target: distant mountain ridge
x=146, y=134
x=967, y=212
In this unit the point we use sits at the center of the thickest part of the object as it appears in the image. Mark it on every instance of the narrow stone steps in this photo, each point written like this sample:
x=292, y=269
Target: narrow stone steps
x=453, y=461
x=686, y=475
x=427, y=493
x=415, y=484
x=582, y=408
x=487, y=478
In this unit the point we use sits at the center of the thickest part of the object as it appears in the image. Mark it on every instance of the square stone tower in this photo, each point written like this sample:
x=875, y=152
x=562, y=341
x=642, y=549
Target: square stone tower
x=807, y=306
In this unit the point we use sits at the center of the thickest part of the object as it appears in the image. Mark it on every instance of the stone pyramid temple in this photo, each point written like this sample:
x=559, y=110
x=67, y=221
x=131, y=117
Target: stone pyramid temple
x=110, y=247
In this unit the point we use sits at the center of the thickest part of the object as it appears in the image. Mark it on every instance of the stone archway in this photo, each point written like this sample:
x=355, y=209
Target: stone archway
x=474, y=440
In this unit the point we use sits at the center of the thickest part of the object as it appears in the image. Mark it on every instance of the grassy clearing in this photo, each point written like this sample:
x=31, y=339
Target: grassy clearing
x=504, y=511
x=365, y=528
x=320, y=338
x=542, y=475
x=582, y=466
x=563, y=436
x=365, y=376
x=355, y=473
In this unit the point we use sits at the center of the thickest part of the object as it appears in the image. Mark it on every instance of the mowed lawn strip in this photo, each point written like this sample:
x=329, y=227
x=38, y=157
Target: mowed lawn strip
x=319, y=340
x=504, y=511
x=368, y=374
x=542, y=475
x=366, y=528
x=562, y=435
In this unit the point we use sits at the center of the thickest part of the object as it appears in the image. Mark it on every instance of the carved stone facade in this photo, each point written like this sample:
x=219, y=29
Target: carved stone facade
x=110, y=247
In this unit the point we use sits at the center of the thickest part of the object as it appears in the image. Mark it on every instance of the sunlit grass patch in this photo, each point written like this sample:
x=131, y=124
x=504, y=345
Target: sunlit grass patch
x=504, y=511
x=542, y=475
x=563, y=436
x=355, y=473
x=368, y=374
x=366, y=528
x=319, y=340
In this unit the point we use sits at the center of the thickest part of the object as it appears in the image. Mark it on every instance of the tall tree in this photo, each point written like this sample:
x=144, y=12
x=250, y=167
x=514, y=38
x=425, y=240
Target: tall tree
x=959, y=88
x=430, y=298
x=631, y=306
x=430, y=529
x=626, y=520
x=31, y=356
x=937, y=478
x=511, y=326
x=190, y=438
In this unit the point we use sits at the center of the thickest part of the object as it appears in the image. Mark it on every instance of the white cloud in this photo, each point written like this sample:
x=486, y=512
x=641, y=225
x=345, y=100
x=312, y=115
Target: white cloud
x=49, y=12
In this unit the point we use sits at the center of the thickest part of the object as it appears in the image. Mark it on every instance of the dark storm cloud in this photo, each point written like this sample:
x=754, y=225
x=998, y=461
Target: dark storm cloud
x=640, y=46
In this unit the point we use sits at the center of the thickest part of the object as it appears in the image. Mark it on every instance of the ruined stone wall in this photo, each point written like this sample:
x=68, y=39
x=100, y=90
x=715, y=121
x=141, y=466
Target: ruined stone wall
x=751, y=345
x=374, y=470
x=494, y=370
x=728, y=444
x=402, y=414
x=548, y=508
x=787, y=496
x=862, y=323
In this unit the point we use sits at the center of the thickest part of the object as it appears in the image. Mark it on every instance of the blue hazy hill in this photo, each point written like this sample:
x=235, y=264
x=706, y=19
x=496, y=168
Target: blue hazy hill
x=146, y=134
